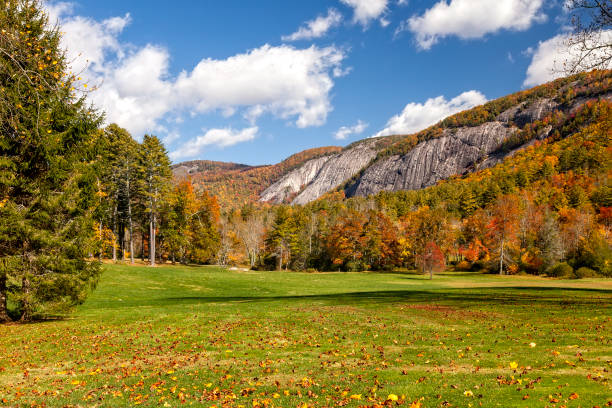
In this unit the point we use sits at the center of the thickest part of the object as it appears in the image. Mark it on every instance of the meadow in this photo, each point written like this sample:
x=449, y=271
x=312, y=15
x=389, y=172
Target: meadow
x=203, y=336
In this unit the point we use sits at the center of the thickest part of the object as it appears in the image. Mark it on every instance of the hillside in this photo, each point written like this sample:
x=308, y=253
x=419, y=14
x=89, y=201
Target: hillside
x=237, y=184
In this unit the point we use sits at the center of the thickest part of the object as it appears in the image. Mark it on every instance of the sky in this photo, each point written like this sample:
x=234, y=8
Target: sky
x=255, y=81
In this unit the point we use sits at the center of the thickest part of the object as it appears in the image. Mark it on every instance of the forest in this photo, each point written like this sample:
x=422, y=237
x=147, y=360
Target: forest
x=74, y=192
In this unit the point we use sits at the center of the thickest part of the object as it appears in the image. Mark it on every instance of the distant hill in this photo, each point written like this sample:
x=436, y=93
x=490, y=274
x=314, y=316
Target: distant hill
x=237, y=184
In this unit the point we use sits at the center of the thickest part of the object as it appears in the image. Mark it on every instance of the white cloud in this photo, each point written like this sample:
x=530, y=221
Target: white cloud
x=56, y=10
x=316, y=28
x=283, y=80
x=346, y=131
x=216, y=137
x=418, y=116
x=548, y=58
x=468, y=19
x=134, y=93
x=89, y=43
x=136, y=90
x=367, y=10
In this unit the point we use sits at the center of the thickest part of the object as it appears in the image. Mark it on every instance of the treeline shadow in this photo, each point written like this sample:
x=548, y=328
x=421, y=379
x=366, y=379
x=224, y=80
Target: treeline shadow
x=515, y=295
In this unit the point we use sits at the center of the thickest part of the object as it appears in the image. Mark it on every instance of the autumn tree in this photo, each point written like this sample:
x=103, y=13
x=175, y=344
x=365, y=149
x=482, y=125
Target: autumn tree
x=502, y=228
x=346, y=240
x=431, y=226
x=381, y=245
x=432, y=259
x=251, y=231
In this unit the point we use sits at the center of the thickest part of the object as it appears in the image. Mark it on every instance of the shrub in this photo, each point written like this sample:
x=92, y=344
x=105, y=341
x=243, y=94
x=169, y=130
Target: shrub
x=560, y=270
x=585, y=272
x=463, y=266
x=355, y=266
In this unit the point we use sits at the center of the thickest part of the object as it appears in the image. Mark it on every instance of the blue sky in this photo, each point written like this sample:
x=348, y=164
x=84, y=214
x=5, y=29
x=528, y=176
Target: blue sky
x=256, y=81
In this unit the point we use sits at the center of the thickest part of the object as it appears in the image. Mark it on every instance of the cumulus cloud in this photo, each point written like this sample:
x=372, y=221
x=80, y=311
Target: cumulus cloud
x=55, y=10
x=283, y=80
x=346, y=131
x=549, y=57
x=418, y=116
x=316, y=28
x=136, y=90
x=217, y=137
x=469, y=19
x=368, y=10
x=89, y=43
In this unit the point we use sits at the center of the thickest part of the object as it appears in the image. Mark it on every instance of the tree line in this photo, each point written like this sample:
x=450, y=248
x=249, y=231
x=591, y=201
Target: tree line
x=141, y=212
x=545, y=210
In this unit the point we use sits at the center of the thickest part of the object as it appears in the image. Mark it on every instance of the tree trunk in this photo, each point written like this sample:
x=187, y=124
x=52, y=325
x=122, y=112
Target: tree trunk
x=142, y=242
x=4, y=317
x=430, y=273
x=501, y=258
x=131, y=225
x=102, y=239
x=122, y=240
x=26, y=307
x=115, y=233
x=152, y=240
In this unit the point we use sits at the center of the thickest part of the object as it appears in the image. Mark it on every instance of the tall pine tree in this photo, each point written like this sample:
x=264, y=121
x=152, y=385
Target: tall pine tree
x=155, y=179
x=47, y=183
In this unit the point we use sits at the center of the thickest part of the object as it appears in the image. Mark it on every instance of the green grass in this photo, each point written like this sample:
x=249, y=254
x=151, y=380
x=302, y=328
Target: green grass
x=180, y=336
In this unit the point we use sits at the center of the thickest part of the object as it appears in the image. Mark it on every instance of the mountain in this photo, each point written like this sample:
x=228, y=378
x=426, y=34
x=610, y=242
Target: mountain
x=237, y=184
x=472, y=140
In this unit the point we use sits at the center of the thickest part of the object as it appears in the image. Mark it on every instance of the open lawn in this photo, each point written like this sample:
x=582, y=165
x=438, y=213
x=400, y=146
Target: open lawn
x=179, y=336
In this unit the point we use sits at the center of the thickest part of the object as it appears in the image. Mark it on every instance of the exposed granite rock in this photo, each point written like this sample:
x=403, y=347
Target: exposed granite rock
x=293, y=181
x=337, y=170
x=528, y=112
x=457, y=151
x=433, y=160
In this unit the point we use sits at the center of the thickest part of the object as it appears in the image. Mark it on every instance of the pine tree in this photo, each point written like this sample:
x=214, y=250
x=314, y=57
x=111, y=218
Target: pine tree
x=121, y=180
x=155, y=177
x=47, y=183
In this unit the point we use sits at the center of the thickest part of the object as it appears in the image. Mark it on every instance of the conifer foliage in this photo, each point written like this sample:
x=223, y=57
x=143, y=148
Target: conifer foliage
x=46, y=172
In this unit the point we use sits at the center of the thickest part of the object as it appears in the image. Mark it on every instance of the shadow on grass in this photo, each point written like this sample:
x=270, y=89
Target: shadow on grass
x=524, y=296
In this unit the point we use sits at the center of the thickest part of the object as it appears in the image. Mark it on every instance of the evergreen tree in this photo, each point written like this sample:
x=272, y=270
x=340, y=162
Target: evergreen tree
x=155, y=178
x=121, y=174
x=47, y=182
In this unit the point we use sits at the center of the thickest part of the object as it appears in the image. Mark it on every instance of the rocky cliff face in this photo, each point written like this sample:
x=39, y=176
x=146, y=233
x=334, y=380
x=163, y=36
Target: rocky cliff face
x=337, y=170
x=293, y=182
x=319, y=176
x=433, y=160
x=456, y=152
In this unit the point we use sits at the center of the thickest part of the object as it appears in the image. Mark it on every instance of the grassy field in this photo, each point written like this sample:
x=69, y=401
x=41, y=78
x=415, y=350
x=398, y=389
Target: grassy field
x=181, y=336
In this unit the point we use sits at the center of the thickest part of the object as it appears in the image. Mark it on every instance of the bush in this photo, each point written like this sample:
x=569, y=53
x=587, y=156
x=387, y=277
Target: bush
x=585, y=273
x=595, y=253
x=355, y=266
x=463, y=266
x=560, y=270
